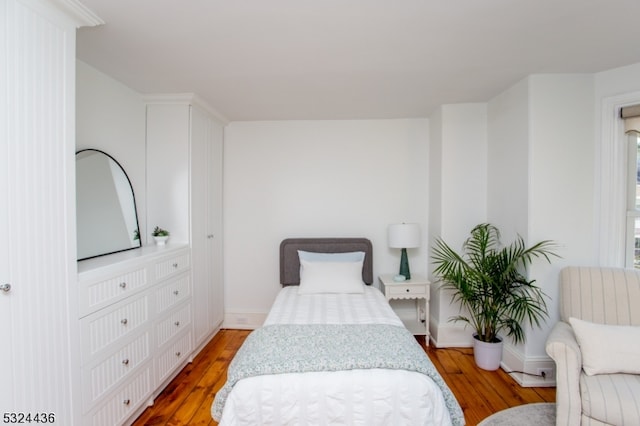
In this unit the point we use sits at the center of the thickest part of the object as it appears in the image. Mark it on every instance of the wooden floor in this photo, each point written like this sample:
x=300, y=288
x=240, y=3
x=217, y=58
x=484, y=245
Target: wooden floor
x=187, y=399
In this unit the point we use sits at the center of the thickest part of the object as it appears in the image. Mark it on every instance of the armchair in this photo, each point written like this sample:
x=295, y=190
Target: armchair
x=608, y=296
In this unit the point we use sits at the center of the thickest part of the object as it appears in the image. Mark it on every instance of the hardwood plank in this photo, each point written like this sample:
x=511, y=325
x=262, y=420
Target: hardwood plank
x=474, y=406
x=202, y=394
x=187, y=399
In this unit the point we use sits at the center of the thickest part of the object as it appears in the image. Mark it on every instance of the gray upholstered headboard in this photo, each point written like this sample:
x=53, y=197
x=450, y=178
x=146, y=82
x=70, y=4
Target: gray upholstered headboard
x=290, y=264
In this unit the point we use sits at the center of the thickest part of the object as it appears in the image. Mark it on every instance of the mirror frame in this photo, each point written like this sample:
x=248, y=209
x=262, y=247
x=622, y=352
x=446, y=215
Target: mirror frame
x=135, y=208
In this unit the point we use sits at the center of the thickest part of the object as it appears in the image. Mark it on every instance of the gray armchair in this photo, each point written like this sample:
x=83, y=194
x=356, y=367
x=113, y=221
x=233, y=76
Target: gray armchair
x=605, y=296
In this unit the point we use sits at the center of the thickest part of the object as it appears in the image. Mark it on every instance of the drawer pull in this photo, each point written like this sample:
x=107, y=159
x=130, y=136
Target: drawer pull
x=175, y=265
x=125, y=361
x=176, y=292
x=124, y=321
x=178, y=353
x=123, y=285
x=177, y=323
x=126, y=401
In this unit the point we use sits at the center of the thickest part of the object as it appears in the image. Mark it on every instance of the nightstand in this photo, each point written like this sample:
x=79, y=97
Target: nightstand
x=416, y=288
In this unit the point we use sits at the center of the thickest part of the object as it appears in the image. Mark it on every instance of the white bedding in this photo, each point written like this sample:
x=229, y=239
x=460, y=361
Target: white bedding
x=369, y=307
x=353, y=397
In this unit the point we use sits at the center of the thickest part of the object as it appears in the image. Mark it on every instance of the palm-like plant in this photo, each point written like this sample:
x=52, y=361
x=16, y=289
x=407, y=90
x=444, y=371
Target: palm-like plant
x=488, y=280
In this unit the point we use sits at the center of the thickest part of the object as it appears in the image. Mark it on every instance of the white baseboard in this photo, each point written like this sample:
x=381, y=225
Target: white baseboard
x=449, y=335
x=513, y=360
x=244, y=320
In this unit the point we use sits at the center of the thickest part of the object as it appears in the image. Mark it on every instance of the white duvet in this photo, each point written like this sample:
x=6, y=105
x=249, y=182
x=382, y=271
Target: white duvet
x=353, y=397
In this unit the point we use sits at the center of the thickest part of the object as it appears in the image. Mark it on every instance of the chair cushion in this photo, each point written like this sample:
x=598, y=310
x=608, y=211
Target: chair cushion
x=611, y=398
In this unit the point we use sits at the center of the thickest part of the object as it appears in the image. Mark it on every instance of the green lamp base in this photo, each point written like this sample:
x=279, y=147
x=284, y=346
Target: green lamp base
x=404, y=264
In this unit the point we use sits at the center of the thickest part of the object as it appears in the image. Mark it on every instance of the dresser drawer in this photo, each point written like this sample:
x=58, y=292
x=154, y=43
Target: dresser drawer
x=100, y=378
x=171, y=266
x=172, y=293
x=122, y=404
x=98, y=294
x=176, y=354
x=106, y=327
x=407, y=290
x=173, y=324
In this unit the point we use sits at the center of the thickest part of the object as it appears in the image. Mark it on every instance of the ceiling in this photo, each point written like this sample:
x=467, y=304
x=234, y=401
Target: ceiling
x=352, y=59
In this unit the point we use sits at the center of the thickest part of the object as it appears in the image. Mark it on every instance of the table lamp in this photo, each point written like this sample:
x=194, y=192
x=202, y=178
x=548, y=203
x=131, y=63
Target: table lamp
x=404, y=236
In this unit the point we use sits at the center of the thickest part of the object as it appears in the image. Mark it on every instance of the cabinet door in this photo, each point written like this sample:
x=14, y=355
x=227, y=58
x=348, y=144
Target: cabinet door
x=200, y=237
x=37, y=257
x=215, y=223
x=206, y=223
x=6, y=376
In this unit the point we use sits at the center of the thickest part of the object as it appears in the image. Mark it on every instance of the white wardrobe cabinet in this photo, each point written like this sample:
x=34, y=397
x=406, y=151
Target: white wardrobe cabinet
x=38, y=309
x=184, y=193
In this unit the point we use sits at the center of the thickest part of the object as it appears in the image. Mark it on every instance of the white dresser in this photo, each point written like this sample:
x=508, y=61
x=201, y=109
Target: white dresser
x=136, y=329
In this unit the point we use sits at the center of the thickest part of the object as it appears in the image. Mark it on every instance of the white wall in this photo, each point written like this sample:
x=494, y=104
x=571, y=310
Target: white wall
x=562, y=178
x=529, y=170
x=541, y=184
x=615, y=82
x=316, y=179
x=111, y=117
x=508, y=157
x=457, y=199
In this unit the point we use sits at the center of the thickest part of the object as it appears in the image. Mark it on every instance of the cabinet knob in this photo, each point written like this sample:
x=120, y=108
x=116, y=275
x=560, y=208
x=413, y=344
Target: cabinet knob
x=408, y=290
x=5, y=287
x=126, y=401
x=125, y=361
x=123, y=285
x=124, y=321
x=177, y=323
x=175, y=265
x=176, y=292
x=210, y=236
x=178, y=353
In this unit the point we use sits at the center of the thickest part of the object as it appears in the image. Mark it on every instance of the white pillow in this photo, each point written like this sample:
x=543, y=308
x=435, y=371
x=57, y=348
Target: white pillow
x=608, y=349
x=312, y=256
x=330, y=277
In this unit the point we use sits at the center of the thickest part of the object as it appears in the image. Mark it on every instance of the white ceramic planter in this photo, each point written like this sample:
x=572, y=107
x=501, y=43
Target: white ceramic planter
x=487, y=355
x=161, y=240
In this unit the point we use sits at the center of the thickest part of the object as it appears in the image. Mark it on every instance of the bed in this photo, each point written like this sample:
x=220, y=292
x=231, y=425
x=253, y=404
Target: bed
x=332, y=351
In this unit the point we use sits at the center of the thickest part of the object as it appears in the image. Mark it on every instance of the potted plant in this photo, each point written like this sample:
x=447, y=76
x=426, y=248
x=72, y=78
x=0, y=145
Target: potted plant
x=160, y=235
x=489, y=280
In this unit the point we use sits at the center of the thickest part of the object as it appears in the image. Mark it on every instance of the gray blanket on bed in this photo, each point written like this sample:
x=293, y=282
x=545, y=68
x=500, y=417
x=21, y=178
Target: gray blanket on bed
x=277, y=349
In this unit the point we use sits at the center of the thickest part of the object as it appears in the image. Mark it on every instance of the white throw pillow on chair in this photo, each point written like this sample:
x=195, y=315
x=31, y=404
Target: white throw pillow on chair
x=607, y=349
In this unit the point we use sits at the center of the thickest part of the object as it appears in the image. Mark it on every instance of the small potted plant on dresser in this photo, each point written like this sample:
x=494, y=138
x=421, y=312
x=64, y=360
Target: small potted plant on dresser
x=160, y=235
x=489, y=280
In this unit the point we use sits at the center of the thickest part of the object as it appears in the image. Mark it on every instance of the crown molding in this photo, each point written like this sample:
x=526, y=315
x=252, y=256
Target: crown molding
x=84, y=16
x=184, y=99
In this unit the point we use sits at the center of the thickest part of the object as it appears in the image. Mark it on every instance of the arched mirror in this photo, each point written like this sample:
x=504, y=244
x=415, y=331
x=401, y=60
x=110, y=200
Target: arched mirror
x=106, y=216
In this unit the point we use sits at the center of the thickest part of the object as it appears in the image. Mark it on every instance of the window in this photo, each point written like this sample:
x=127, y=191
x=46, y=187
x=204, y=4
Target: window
x=618, y=213
x=631, y=116
x=633, y=201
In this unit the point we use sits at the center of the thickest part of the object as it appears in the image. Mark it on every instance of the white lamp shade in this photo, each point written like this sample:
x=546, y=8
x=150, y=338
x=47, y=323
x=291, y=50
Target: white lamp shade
x=404, y=235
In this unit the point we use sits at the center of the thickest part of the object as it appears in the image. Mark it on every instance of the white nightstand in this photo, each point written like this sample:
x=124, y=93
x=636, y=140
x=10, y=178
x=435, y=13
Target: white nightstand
x=416, y=288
